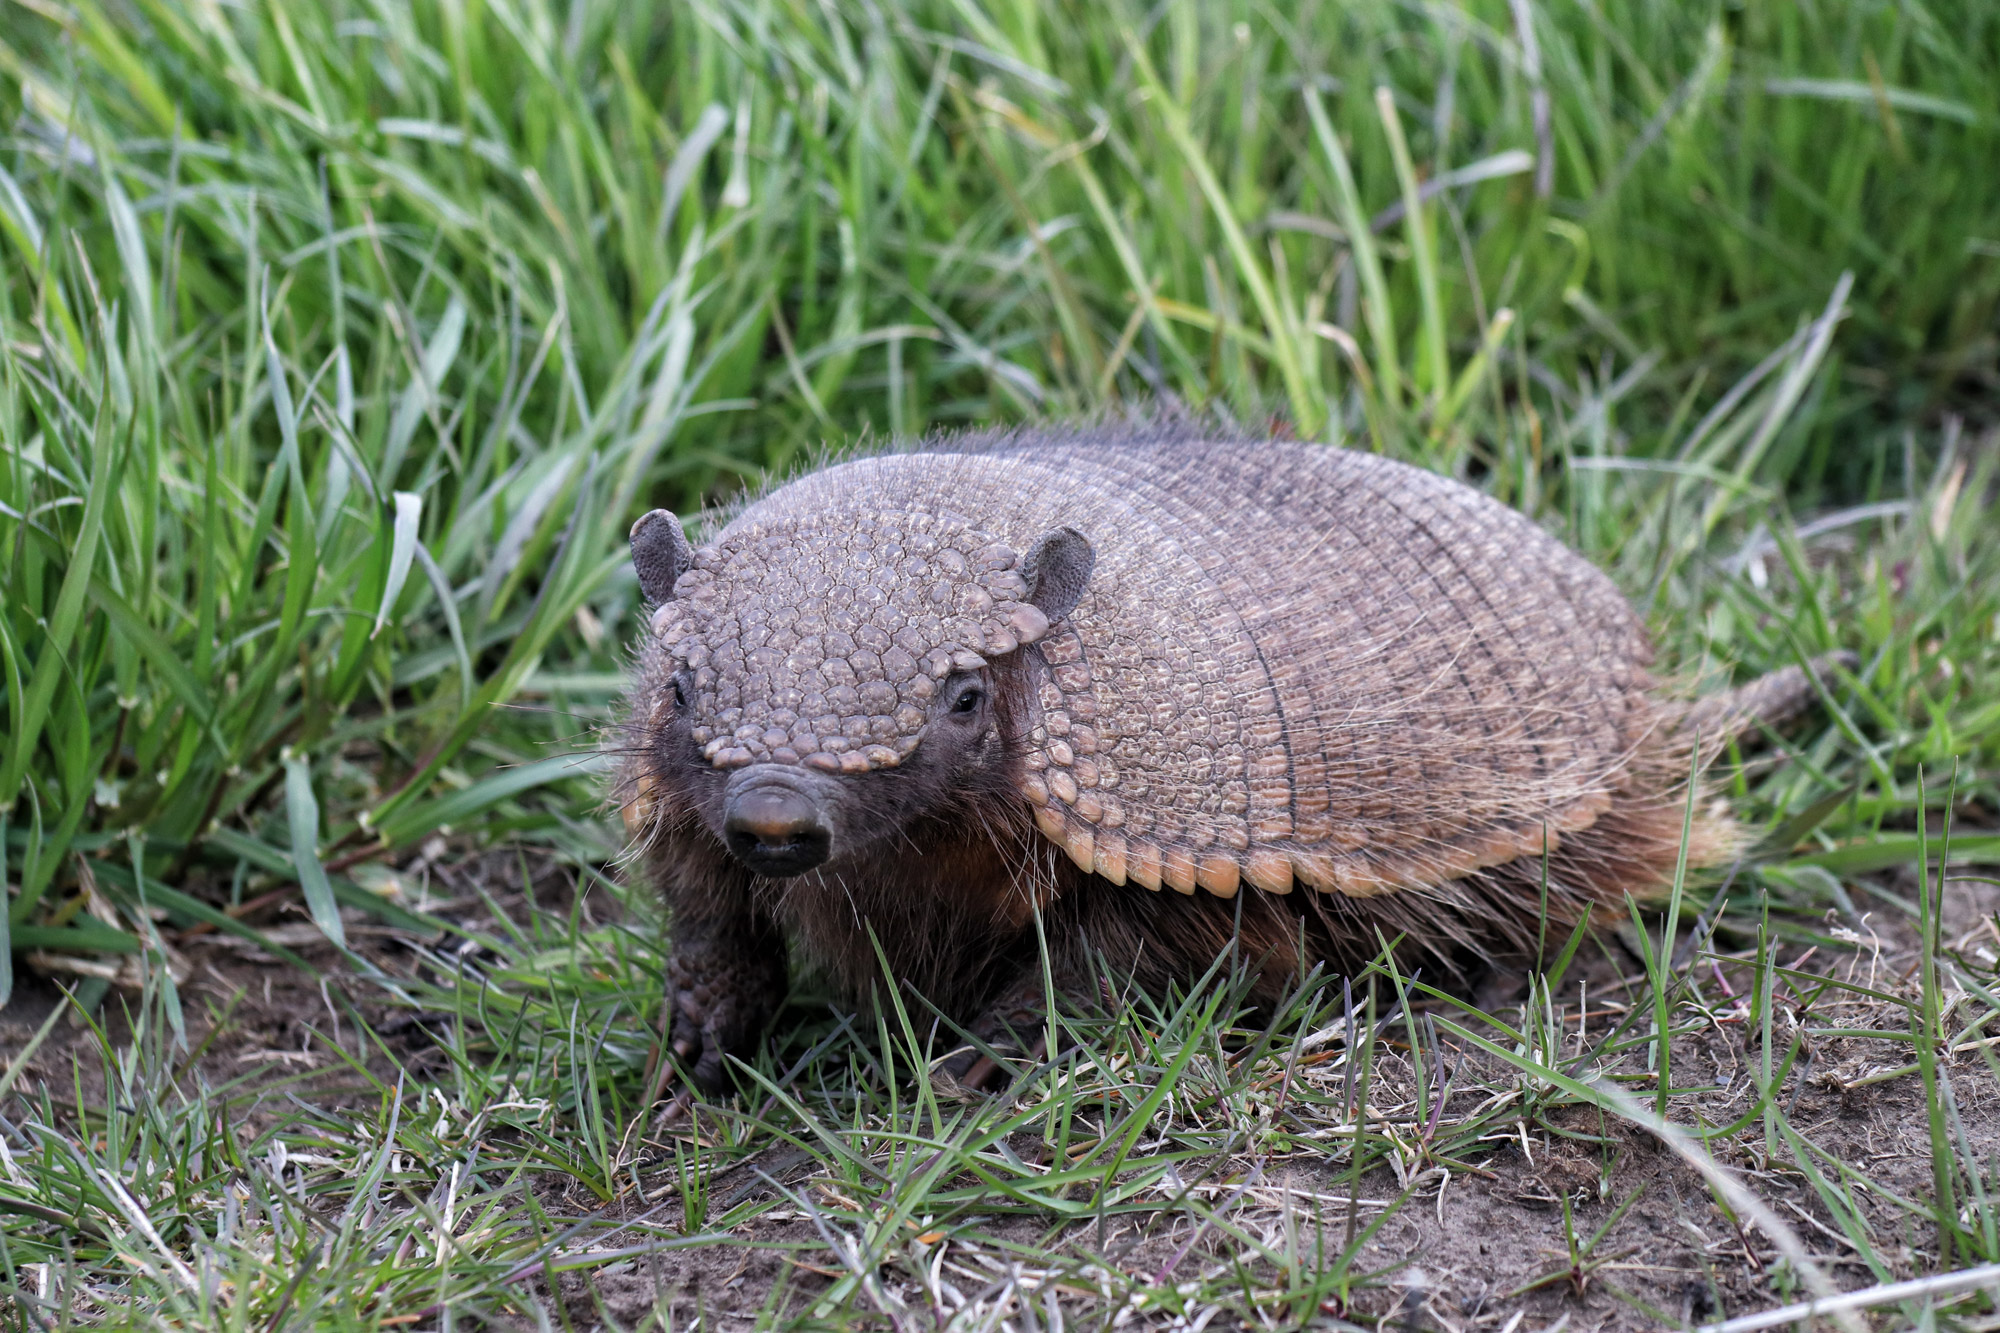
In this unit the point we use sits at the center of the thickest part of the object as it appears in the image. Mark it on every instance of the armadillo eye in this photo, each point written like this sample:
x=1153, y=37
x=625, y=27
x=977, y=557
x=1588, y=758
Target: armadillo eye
x=680, y=691
x=968, y=698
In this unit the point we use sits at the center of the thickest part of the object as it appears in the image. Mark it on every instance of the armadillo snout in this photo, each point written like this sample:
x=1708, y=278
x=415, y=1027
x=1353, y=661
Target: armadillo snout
x=774, y=824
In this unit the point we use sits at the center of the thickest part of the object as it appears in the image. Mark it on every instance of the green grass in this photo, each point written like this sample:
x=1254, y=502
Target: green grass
x=340, y=344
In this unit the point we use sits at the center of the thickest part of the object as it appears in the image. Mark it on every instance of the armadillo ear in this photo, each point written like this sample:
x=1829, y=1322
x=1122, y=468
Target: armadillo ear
x=660, y=552
x=1057, y=568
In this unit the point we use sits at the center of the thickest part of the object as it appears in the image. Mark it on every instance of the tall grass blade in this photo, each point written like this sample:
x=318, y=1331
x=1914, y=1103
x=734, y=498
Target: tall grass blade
x=302, y=811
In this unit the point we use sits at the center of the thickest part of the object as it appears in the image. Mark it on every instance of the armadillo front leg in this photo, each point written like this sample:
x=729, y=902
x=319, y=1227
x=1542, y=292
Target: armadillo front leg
x=1013, y=1025
x=727, y=973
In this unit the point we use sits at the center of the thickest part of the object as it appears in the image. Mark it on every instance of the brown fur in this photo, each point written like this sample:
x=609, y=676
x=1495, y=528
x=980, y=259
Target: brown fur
x=950, y=897
x=1499, y=764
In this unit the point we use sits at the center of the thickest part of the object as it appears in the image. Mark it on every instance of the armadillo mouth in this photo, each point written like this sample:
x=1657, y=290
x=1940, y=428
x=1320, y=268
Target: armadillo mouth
x=774, y=823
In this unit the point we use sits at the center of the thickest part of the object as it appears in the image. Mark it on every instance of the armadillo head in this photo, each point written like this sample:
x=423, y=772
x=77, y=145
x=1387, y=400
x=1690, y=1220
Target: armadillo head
x=819, y=665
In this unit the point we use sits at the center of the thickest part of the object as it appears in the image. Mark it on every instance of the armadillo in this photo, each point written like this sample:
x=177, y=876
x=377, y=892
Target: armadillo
x=1153, y=688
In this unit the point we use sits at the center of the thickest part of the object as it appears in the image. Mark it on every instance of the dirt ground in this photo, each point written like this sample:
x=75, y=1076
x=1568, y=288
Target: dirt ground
x=1459, y=1253
x=1455, y=1258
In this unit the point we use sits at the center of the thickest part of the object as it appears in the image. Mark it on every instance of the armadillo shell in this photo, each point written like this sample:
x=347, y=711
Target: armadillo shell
x=1302, y=662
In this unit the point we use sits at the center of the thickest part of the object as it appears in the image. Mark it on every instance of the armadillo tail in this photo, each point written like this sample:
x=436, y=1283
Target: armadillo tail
x=1771, y=700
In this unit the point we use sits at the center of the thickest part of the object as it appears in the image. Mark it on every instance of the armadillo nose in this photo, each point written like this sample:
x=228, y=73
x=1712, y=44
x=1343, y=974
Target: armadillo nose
x=777, y=831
